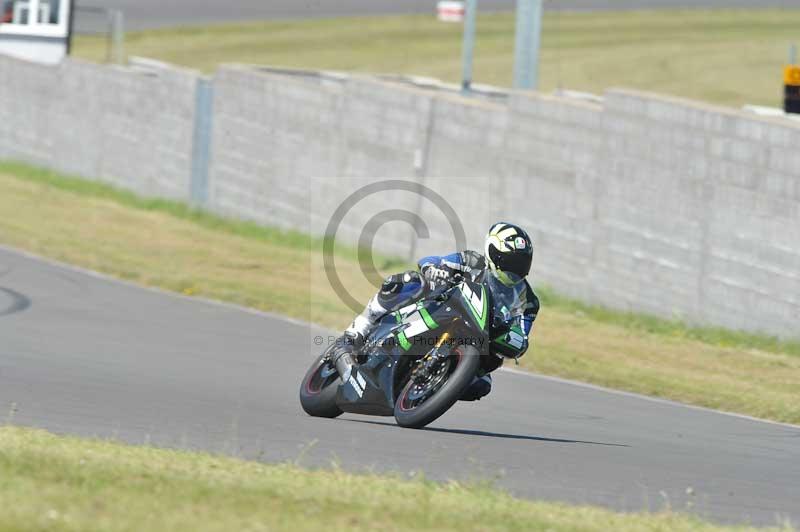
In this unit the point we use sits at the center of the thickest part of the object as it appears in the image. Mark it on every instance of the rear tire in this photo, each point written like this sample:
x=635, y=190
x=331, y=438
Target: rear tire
x=318, y=392
x=444, y=398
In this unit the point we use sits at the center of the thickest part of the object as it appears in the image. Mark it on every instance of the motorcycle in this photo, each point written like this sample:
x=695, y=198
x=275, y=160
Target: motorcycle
x=419, y=360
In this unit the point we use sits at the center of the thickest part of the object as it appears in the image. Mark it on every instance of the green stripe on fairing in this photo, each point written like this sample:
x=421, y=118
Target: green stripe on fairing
x=501, y=339
x=404, y=343
x=485, y=308
x=428, y=320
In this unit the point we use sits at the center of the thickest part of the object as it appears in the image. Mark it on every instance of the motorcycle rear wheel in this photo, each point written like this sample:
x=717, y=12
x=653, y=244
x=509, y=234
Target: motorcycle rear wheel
x=318, y=390
x=414, y=416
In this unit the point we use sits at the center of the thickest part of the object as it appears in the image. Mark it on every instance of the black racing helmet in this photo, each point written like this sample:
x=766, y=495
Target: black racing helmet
x=509, y=253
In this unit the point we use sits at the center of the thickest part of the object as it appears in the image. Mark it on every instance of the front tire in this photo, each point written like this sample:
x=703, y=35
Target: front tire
x=414, y=416
x=318, y=390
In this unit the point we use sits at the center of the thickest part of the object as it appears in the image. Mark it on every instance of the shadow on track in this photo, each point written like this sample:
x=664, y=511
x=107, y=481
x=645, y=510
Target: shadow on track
x=19, y=302
x=489, y=434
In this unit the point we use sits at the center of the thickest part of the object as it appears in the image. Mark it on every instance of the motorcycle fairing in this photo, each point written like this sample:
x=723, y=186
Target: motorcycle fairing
x=402, y=337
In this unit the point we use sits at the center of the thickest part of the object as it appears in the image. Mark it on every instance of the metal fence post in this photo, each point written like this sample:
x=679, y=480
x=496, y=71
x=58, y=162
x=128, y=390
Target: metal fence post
x=528, y=40
x=117, y=23
x=70, y=25
x=468, y=47
x=201, y=141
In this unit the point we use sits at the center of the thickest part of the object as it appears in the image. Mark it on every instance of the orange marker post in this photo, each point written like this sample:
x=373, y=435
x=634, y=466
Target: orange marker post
x=791, y=89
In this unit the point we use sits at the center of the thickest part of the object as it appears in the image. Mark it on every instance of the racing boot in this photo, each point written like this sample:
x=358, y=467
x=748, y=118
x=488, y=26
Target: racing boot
x=342, y=355
x=355, y=336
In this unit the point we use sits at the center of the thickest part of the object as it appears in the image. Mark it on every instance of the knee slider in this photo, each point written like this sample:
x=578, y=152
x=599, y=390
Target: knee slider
x=392, y=285
x=412, y=277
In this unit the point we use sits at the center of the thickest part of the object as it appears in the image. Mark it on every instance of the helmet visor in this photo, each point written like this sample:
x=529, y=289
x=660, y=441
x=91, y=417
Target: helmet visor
x=517, y=263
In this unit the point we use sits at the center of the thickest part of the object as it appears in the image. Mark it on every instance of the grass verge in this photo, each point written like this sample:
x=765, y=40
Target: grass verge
x=49, y=482
x=730, y=57
x=168, y=245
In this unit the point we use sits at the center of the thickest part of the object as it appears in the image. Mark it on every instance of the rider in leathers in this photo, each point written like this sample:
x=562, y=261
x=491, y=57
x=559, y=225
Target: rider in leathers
x=509, y=253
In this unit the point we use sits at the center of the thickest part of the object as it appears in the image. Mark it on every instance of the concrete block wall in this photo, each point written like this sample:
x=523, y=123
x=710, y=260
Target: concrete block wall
x=126, y=127
x=289, y=149
x=638, y=202
x=650, y=209
x=269, y=140
x=555, y=147
x=642, y=203
x=466, y=145
x=706, y=198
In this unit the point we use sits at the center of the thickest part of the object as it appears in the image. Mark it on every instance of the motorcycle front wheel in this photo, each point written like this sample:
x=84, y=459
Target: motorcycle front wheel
x=421, y=404
x=318, y=390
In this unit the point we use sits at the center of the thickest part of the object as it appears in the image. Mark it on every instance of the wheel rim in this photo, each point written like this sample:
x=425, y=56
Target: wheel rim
x=415, y=394
x=321, y=378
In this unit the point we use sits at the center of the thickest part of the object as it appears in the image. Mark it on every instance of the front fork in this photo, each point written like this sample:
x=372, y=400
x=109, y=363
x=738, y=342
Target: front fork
x=430, y=361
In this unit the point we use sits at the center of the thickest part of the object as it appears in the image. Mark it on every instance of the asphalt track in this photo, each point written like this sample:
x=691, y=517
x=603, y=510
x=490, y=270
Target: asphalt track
x=142, y=14
x=81, y=354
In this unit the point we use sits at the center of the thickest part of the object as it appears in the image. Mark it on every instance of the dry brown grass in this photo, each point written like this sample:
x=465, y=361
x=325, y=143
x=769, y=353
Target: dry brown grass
x=726, y=56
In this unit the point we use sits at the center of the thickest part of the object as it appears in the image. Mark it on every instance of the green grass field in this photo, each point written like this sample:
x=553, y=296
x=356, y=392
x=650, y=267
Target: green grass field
x=68, y=484
x=166, y=244
x=730, y=57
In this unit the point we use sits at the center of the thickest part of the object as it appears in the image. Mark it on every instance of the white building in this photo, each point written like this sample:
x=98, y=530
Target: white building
x=36, y=30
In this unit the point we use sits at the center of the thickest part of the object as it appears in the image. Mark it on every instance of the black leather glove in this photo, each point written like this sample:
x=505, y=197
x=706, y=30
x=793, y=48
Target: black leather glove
x=436, y=274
